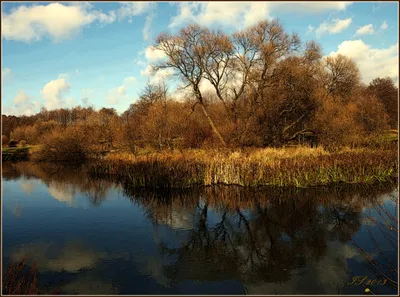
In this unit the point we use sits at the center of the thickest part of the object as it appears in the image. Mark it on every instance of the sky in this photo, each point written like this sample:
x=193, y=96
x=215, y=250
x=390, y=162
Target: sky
x=64, y=54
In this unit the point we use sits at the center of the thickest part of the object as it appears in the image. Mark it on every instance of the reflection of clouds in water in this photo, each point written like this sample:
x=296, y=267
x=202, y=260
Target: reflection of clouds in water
x=179, y=219
x=49, y=257
x=73, y=257
x=152, y=265
x=28, y=186
x=17, y=210
x=62, y=192
x=326, y=276
x=89, y=284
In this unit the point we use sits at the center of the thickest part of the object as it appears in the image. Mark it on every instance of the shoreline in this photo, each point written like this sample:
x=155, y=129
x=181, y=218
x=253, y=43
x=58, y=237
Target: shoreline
x=284, y=167
x=184, y=171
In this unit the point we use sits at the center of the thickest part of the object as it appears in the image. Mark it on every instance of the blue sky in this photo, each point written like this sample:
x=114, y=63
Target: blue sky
x=95, y=53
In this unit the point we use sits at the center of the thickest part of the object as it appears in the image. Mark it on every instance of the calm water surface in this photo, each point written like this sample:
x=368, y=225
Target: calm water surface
x=98, y=237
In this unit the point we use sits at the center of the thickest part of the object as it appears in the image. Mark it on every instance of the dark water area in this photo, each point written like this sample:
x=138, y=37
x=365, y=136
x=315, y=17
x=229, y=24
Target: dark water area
x=97, y=237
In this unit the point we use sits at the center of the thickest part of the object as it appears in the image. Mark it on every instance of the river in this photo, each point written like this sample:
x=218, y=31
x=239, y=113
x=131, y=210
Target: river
x=97, y=237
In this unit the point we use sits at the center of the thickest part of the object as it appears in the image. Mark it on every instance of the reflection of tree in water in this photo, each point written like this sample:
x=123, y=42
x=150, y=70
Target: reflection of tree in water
x=384, y=220
x=254, y=235
x=62, y=181
x=260, y=235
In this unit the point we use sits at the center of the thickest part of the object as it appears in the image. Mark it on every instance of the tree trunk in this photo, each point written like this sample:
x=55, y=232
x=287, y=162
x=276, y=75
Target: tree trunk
x=210, y=121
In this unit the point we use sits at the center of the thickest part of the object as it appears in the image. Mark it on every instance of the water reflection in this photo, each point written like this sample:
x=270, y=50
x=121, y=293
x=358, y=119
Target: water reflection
x=216, y=240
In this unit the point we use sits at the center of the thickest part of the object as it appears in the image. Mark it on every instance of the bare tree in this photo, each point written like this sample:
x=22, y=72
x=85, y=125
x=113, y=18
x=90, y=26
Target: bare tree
x=386, y=91
x=341, y=77
x=184, y=52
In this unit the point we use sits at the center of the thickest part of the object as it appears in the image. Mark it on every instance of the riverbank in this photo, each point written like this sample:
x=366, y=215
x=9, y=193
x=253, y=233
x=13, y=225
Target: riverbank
x=293, y=167
x=15, y=153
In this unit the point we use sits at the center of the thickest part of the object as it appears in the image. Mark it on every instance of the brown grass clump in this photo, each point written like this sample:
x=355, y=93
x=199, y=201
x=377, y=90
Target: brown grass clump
x=299, y=167
x=20, y=279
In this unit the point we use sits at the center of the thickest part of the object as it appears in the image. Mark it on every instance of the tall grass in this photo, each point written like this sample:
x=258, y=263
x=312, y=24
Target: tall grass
x=23, y=279
x=299, y=167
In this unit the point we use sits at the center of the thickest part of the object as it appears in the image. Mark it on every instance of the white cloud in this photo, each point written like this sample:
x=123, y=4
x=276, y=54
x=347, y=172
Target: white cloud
x=129, y=9
x=384, y=25
x=334, y=27
x=309, y=7
x=33, y=22
x=366, y=30
x=238, y=14
x=53, y=92
x=241, y=14
x=130, y=80
x=121, y=90
x=147, y=27
x=310, y=29
x=156, y=76
x=372, y=62
x=6, y=74
x=153, y=54
x=21, y=97
x=86, y=95
x=61, y=21
x=116, y=94
x=22, y=105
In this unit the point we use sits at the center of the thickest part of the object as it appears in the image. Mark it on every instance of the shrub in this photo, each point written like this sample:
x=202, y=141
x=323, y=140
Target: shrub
x=63, y=145
x=4, y=140
x=13, y=143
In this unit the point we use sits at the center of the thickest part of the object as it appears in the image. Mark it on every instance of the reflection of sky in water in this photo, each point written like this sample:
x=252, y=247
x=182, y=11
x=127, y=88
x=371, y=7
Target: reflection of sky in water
x=114, y=246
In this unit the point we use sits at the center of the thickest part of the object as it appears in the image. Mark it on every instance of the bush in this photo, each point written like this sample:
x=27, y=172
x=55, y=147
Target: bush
x=63, y=145
x=13, y=143
x=4, y=140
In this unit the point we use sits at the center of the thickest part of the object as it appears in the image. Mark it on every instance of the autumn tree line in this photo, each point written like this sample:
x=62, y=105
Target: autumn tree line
x=266, y=88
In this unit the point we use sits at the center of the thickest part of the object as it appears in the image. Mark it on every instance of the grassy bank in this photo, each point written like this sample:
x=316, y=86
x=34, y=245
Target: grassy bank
x=18, y=153
x=298, y=167
x=15, y=153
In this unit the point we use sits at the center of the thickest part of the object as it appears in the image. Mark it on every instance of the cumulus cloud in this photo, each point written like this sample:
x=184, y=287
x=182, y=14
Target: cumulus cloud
x=241, y=14
x=384, y=25
x=238, y=14
x=366, y=30
x=21, y=97
x=156, y=76
x=54, y=91
x=153, y=54
x=6, y=74
x=334, y=27
x=22, y=105
x=60, y=21
x=115, y=95
x=372, y=62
